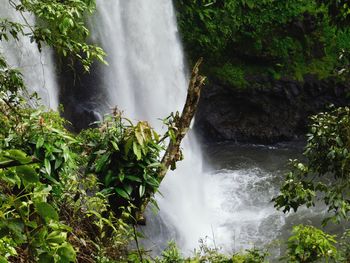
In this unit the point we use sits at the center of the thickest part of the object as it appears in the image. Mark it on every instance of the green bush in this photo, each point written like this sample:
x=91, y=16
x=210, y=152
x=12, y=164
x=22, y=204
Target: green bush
x=309, y=244
x=325, y=174
x=291, y=38
x=232, y=75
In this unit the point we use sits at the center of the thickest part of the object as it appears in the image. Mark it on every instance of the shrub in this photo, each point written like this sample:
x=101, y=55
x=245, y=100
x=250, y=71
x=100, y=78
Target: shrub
x=309, y=244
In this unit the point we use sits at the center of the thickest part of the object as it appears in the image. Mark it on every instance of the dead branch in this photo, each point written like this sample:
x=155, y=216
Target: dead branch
x=182, y=125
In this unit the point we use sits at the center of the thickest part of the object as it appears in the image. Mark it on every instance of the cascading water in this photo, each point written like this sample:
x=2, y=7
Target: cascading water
x=226, y=201
x=37, y=67
x=146, y=78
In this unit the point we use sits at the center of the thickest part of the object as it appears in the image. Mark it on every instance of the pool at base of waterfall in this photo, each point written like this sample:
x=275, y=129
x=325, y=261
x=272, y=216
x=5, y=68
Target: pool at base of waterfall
x=241, y=181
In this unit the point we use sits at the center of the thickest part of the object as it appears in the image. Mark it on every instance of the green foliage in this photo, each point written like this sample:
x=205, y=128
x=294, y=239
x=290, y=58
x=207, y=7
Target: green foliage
x=26, y=218
x=213, y=255
x=171, y=254
x=344, y=250
x=60, y=24
x=11, y=82
x=126, y=159
x=309, y=244
x=250, y=256
x=325, y=175
x=51, y=206
x=230, y=74
x=207, y=254
x=290, y=38
x=47, y=215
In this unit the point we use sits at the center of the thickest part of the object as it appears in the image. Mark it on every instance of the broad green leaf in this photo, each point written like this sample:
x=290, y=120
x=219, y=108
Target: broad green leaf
x=133, y=178
x=137, y=151
x=122, y=193
x=18, y=155
x=109, y=178
x=172, y=135
x=128, y=146
x=152, y=181
x=102, y=162
x=139, y=137
x=31, y=224
x=58, y=163
x=155, y=135
x=16, y=227
x=46, y=211
x=47, y=166
x=142, y=190
x=154, y=165
x=46, y=258
x=67, y=253
x=39, y=142
x=128, y=189
x=115, y=146
x=27, y=173
x=5, y=161
x=10, y=177
x=57, y=237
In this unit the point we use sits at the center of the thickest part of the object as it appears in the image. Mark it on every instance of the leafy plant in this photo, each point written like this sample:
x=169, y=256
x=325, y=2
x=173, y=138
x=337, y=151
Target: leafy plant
x=126, y=158
x=232, y=75
x=59, y=24
x=171, y=254
x=344, y=248
x=309, y=244
x=324, y=175
x=290, y=38
x=26, y=218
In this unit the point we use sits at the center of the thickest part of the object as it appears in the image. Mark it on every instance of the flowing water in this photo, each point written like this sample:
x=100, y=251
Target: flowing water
x=222, y=196
x=146, y=78
x=37, y=67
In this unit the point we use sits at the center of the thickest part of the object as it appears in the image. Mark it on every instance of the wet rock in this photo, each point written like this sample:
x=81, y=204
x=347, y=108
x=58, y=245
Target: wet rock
x=258, y=114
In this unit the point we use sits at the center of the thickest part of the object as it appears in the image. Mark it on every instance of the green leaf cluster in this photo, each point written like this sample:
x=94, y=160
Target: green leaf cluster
x=325, y=174
x=208, y=254
x=270, y=37
x=26, y=218
x=59, y=24
x=309, y=244
x=125, y=158
x=51, y=206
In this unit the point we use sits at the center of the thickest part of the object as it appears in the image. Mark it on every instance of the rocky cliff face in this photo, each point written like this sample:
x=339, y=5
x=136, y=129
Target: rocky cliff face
x=268, y=111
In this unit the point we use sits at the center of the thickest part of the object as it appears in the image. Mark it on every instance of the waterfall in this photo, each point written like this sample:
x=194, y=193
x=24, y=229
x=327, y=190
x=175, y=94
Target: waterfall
x=37, y=67
x=147, y=79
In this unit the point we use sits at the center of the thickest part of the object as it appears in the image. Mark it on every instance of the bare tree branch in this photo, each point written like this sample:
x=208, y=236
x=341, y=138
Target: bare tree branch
x=182, y=125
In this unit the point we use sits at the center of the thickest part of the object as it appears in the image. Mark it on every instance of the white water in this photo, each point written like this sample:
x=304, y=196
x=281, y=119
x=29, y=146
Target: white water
x=37, y=68
x=146, y=78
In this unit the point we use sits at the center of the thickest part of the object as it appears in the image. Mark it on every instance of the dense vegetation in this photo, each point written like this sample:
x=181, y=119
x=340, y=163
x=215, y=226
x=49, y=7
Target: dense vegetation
x=68, y=197
x=279, y=39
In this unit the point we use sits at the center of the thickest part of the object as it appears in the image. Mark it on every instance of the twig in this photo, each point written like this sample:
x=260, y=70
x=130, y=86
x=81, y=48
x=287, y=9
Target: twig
x=137, y=243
